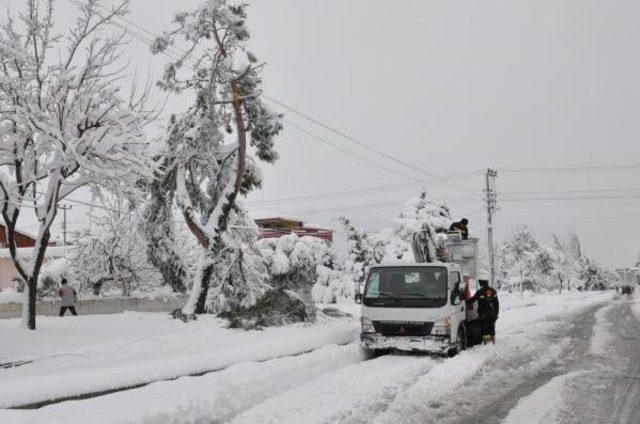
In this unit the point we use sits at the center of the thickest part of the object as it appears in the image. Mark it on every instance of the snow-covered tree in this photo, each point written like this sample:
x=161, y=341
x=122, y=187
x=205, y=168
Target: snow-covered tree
x=567, y=260
x=420, y=218
x=63, y=122
x=112, y=249
x=362, y=252
x=519, y=256
x=207, y=146
x=421, y=223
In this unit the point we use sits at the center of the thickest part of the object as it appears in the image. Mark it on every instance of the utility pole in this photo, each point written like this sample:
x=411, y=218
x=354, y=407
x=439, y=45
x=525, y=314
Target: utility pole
x=64, y=208
x=492, y=207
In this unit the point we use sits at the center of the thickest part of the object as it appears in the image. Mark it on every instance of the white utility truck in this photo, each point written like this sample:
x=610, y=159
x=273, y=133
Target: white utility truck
x=418, y=306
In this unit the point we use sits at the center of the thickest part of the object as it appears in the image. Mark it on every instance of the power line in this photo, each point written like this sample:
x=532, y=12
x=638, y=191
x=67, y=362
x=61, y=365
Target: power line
x=544, y=199
x=364, y=145
x=572, y=168
x=588, y=191
x=354, y=155
x=322, y=196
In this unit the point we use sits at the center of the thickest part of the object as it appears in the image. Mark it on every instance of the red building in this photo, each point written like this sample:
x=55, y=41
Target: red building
x=280, y=226
x=25, y=243
x=22, y=239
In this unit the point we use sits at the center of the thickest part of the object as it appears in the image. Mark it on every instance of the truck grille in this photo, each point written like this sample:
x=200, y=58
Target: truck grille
x=403, y=328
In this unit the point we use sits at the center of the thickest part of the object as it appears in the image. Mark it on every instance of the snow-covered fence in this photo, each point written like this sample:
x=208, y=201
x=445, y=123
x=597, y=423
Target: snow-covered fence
x=99, y=306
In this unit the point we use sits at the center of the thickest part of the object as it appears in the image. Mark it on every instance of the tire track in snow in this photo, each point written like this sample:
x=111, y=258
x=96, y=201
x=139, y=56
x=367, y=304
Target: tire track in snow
x=609, y=389
x=483, y=384
x=354, y=394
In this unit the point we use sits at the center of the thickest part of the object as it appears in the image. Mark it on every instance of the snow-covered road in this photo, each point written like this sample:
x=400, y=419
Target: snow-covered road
x=569, y=360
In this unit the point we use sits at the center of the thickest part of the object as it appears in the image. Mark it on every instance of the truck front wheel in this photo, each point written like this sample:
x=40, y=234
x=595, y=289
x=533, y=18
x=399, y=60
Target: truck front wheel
x=461, y=341
x=374, y=353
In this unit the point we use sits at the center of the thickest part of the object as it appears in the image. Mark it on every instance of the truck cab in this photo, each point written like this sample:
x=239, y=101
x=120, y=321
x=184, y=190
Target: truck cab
x=414, y=307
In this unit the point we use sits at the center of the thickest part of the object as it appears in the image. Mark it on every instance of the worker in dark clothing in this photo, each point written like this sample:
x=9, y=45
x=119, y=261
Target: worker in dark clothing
x=461, y=227
x=488, y=310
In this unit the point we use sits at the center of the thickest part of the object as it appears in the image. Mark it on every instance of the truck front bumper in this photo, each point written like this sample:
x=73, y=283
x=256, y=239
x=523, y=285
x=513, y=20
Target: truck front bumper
x=430, y=344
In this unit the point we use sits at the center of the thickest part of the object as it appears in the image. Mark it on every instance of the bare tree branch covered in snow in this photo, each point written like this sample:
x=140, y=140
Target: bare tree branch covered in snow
x=207, y=163
x=112, y=251
x=63, y=123
x=525, y=262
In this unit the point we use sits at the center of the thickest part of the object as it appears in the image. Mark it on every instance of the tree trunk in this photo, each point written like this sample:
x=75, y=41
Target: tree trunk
x=32, y=286
x=223, y=221
x=205, y=281
x=32, y=281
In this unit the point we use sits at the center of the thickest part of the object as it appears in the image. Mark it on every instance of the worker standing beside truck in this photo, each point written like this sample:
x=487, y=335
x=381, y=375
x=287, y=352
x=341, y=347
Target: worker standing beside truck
x=488, y=310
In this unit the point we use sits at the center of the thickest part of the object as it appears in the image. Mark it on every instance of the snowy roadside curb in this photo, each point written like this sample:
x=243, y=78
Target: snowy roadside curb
x=215, y=397
x=29, y=390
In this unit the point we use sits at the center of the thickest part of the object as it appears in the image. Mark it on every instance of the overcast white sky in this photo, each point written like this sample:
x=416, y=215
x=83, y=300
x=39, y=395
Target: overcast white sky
x=452, y=87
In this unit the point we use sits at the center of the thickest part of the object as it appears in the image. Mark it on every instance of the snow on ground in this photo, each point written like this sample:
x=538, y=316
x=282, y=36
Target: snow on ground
x=77, y=355
x=10, y=296
x=543, y=406
x=331, y=384
x=635, y=307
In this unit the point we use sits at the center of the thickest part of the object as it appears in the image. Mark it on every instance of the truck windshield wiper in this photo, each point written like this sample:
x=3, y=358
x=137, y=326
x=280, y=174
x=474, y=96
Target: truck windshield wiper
x=382, y=294
x=414, y=294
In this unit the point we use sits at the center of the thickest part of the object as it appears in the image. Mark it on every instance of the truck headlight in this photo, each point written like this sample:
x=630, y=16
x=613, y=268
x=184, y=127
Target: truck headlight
x=442, y=328
x=367, y=325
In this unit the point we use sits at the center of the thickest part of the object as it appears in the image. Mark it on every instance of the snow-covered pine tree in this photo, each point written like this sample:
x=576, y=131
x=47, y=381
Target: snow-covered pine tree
x=208, y=145
x=63, y=122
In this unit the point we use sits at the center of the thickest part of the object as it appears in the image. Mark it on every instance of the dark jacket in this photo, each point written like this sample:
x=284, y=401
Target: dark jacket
x=460, y=227
x=488, y=304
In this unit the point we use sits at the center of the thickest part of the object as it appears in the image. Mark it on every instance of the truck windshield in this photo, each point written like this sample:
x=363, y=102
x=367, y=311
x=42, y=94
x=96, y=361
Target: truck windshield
x=403, y=286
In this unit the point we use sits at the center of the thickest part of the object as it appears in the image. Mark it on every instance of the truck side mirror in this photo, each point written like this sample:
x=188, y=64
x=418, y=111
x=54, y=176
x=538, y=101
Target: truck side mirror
x=455, y=295
x=358, y=298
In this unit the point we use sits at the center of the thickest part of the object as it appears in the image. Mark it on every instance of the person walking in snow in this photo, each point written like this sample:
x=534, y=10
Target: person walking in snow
x=461, y=227
x=488, y=310
x=68, y=296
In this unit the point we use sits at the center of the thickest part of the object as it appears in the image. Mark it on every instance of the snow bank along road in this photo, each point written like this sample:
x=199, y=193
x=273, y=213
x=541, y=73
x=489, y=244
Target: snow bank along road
x=569, y=359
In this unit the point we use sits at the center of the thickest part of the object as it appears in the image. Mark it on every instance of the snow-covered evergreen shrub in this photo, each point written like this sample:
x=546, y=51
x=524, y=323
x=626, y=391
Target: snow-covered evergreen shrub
x=333, y=286
x=292, y=262
x=275, y=307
